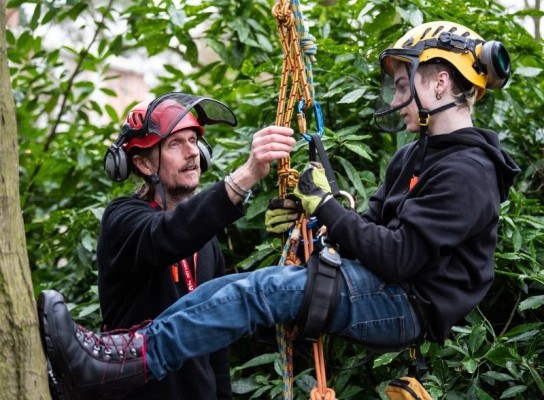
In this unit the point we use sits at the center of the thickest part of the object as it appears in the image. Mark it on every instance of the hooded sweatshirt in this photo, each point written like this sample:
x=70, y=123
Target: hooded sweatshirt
x=439, y=237
x=138, y=249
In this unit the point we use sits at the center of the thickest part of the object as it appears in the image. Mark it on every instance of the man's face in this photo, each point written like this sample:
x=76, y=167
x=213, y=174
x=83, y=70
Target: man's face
x=179, y=163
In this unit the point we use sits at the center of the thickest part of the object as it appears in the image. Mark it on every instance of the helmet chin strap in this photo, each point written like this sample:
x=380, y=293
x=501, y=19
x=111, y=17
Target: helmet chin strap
x=156, y=181
x=425, y=114
x=424, y=117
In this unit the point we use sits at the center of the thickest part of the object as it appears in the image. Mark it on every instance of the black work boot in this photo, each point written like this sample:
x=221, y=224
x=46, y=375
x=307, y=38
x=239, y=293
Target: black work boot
x=87, y=365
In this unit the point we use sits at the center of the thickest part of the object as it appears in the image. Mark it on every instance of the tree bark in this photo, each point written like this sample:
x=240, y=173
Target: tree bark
x=23, y=373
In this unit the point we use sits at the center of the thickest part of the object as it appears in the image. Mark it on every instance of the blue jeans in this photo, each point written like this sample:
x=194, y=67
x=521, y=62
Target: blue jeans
x=222, y=310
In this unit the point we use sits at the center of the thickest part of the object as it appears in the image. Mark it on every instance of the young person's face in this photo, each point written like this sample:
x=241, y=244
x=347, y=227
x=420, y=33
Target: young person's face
x=410, y=112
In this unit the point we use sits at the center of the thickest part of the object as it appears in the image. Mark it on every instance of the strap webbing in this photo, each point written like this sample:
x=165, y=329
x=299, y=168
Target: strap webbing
x=317, y=144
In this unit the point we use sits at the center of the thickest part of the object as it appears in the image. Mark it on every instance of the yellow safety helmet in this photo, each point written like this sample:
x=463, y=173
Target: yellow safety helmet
x=484, y=64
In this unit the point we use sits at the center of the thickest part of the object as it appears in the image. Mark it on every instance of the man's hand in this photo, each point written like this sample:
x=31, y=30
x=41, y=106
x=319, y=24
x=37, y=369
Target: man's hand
x=269, y=144
x=313, y=188
x=281, y=215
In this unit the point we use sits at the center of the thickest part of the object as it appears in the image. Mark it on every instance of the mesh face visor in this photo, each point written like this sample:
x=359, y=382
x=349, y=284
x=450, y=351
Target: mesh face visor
x=398, y=70
x=165, y=113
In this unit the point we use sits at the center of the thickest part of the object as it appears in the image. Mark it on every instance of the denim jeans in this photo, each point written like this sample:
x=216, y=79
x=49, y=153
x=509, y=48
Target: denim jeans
x=222, y=310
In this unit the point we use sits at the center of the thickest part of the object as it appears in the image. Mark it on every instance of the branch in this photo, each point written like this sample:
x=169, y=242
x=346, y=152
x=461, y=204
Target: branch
x=51, y=135
x=511, y=316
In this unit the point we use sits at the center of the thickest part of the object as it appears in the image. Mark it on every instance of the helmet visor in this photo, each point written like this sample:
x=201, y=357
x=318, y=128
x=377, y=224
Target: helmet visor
x=398, y=71
x=165, y=112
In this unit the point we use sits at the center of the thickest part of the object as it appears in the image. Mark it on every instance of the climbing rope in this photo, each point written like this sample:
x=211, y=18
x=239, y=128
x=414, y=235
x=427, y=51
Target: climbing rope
x=294, y=76
x=296, y=88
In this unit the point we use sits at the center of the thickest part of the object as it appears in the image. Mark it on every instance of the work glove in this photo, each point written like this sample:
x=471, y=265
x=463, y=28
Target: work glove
x=313, y=188
x=282, y=214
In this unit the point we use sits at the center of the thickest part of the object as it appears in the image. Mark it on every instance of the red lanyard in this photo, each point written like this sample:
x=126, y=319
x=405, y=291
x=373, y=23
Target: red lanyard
x=190, y=282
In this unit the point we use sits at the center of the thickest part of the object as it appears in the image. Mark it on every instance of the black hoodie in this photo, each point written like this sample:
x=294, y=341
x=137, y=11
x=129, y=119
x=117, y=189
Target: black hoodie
x=440, y=236
x=137, y=246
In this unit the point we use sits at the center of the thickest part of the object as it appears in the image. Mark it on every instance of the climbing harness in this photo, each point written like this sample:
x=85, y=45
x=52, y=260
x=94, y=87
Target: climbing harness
x=323, y=287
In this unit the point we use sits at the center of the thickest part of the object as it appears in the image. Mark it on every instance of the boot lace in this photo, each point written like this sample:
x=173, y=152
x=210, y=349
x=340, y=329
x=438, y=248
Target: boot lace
x=118, y=342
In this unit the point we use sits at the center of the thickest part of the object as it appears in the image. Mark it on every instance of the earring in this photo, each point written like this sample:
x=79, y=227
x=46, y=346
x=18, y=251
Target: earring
x=438, y=95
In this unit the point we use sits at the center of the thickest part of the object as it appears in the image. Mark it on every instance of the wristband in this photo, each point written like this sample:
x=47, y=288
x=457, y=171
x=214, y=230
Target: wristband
x=245, y=194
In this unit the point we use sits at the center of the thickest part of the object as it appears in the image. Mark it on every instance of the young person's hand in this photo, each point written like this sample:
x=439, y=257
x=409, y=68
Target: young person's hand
x=313, y=188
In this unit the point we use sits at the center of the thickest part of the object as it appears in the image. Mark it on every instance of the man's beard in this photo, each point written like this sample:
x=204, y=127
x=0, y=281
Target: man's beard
x=181, y=191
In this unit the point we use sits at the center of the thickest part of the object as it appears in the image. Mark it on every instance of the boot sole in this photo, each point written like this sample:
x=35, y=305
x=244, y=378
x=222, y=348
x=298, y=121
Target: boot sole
x=60, y=388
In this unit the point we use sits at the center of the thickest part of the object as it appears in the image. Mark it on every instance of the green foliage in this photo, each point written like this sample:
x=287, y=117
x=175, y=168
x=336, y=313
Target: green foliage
x=64, y=131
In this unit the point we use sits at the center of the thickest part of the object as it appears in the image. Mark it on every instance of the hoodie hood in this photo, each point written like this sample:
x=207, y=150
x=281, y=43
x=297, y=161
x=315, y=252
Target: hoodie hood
x=488, y=141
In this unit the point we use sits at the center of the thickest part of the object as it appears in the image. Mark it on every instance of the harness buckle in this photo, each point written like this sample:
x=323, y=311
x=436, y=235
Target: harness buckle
x=329, y=254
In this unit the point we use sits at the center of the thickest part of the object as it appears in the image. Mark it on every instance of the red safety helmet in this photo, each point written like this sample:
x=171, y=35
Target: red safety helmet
x=149, y=122
x=161, y=118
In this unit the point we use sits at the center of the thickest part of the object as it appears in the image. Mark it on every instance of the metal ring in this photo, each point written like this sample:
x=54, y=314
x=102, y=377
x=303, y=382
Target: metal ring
x=349, y=197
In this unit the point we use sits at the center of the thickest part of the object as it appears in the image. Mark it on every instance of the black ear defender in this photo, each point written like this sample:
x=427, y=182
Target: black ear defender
x=493, y=60
x=206, y=154
x=115, y=159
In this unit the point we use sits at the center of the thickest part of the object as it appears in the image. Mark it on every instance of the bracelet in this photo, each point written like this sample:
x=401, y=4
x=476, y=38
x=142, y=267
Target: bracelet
x=236, y=188
x=241, y=189
x=228, y=182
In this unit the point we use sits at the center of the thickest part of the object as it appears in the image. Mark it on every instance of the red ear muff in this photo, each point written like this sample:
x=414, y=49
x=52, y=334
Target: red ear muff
x=205, y=154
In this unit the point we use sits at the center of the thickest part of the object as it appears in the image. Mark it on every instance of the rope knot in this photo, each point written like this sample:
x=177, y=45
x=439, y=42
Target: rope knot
x=308, y=42
x=327, y=394
x=309, y=47
x=282, y=12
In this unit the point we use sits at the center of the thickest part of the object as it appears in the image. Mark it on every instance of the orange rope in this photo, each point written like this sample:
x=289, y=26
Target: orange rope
x=321, y=392
x=292, y=69
x=294, y=73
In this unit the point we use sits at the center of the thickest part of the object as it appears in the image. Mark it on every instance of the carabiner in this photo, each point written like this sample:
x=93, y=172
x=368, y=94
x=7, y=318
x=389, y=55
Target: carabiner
x=318, y=119
x=348, y=197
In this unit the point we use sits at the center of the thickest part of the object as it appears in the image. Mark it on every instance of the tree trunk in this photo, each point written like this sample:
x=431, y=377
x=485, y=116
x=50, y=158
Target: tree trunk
x=23, y=373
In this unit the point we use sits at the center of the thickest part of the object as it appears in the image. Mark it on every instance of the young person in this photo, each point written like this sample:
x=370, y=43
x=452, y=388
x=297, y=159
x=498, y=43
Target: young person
x=415, y=263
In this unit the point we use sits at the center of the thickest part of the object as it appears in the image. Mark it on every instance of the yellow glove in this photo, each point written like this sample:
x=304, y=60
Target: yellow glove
x=281, y=215
x=313, y=188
